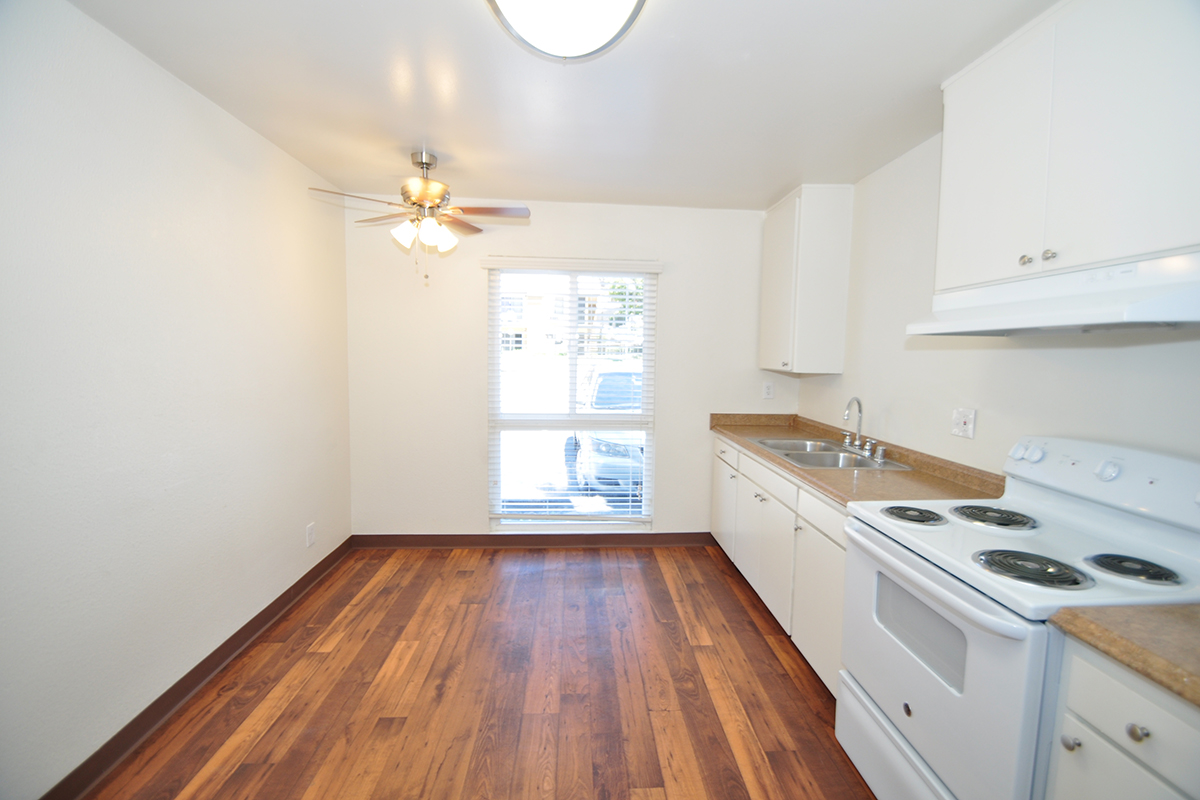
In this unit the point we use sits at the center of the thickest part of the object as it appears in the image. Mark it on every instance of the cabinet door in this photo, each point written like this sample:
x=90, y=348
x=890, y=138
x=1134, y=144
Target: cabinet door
x=763, y=547
x=817, y=594
x=724, y=505
x=777, y=291
x=994, y=163
x=1124, y=164
x=747, y=534
x=775, y=566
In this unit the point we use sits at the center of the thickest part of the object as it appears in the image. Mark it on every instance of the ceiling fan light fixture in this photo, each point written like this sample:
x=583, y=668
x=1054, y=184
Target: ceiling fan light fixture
x=567, y=29
x=430, y=232
x=448, y=242
x=405, y=233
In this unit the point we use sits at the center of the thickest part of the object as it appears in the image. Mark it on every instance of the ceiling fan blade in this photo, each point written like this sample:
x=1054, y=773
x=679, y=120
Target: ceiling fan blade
x=458, y=224
x=386, y=217
x=358, y=197
x=516, y=212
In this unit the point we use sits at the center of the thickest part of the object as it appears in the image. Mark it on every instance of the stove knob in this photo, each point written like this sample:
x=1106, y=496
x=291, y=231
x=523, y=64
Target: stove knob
x=1035, y=454
x=1108, y=470
x=1017, y=452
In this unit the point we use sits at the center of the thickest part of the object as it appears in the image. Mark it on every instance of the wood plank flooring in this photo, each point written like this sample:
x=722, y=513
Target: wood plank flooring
x=571, y=674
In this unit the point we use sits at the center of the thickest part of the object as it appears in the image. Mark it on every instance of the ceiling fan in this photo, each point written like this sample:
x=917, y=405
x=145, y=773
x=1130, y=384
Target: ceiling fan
x=427, y=213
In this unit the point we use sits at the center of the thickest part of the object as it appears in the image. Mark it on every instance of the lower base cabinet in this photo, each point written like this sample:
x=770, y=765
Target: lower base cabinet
x=1118, y=735
x=787, y=542
x=763, y=547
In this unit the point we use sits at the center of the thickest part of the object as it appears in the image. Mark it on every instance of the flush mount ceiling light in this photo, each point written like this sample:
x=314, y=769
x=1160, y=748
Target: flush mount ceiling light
x=561, y=29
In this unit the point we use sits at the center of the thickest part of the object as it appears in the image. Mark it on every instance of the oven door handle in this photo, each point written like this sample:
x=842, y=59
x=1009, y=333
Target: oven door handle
x=981, y=619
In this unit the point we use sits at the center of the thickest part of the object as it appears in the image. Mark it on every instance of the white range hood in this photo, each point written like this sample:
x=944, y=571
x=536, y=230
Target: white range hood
x=1156, y=292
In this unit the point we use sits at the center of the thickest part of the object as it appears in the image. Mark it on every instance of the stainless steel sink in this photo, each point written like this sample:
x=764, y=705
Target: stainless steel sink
x=800, y=445
x=838, y=460
x=823, y=454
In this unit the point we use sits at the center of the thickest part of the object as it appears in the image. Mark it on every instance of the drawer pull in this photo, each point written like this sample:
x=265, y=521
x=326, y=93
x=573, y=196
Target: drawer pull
x=1137, y=732
x=1070, y=742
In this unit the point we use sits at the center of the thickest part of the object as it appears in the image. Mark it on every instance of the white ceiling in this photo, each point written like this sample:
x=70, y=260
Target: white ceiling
x=703, y=103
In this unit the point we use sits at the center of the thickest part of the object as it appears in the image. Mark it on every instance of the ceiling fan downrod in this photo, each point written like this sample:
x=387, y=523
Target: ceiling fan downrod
x=426, y=161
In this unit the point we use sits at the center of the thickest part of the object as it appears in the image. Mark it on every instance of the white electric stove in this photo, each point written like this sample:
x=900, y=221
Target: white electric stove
x=945, y=646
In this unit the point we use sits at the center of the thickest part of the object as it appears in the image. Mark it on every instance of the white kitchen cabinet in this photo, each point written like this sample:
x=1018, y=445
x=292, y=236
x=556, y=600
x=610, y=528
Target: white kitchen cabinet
x=724, y=496
x=1119, y=735
x=788, y=542
x=763, y=546
x=1073, y=144
x=805, y=280
x=817, y=592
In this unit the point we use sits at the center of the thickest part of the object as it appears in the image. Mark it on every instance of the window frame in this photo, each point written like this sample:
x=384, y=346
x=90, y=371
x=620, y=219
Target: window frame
x=573, y=420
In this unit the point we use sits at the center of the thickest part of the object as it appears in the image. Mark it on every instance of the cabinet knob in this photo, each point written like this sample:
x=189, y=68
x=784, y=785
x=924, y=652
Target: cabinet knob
x=1070, y=743
x=797, y=527
x=1049, y=255
x=1025, y=261
x=784, y=364
x=733, y=476
x=762, y=499
x=1137, y=732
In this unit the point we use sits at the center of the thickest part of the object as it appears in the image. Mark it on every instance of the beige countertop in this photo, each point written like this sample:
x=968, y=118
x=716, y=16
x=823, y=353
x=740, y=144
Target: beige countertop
x=931, y=478
x=1159, y=642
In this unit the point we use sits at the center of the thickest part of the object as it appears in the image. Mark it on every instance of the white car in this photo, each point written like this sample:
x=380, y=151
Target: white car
x=609, y=462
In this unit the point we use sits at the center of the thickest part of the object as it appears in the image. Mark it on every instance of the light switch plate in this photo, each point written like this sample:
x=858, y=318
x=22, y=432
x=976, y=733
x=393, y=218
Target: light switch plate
x=964, y=423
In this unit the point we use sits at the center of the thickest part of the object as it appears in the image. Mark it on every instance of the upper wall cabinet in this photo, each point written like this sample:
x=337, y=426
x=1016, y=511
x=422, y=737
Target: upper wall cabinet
x=1074, y=144
x=805, y=280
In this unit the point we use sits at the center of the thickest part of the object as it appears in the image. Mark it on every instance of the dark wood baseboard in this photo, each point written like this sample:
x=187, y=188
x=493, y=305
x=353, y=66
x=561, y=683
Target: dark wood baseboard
x=488, y=540
x=87, y=774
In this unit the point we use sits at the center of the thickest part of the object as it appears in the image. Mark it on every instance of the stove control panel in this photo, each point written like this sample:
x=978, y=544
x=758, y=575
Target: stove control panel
x=1148, y=484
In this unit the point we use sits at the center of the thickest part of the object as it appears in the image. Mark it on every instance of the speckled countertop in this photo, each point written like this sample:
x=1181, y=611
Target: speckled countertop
x=1160, y=642
x=930, y=478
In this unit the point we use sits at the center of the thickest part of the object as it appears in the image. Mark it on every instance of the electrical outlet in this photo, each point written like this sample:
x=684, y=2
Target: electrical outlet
x=964, y=423
x=768, y=390
x=310, y=534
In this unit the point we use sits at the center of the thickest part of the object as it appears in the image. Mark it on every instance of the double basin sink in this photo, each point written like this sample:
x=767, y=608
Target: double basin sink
x=823, y=454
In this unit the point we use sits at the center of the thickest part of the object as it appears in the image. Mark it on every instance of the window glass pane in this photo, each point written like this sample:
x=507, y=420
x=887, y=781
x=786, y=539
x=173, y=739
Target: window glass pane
x=584, y=472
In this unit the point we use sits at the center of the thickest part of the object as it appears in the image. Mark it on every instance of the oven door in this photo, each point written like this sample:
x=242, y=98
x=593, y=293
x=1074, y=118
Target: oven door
x=958, y=675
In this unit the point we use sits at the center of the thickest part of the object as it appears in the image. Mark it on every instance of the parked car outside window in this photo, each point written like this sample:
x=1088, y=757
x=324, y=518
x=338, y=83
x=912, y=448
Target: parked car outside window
x=609, y=462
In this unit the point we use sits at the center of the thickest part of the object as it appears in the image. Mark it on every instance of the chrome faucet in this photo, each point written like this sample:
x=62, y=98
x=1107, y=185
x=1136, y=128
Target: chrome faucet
x=858, y=428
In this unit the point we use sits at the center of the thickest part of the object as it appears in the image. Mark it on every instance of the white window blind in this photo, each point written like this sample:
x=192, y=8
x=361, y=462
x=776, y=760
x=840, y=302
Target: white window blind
x=570, y=395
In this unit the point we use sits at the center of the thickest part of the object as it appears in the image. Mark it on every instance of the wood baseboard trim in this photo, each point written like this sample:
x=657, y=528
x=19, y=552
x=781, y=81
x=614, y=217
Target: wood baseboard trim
x=90, y=772
x=529, y=540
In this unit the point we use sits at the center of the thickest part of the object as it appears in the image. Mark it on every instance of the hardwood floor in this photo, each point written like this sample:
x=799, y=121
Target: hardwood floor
x=622, y=674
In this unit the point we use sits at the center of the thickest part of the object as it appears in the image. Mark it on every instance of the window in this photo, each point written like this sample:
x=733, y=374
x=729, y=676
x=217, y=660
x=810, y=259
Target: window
x=570, y=396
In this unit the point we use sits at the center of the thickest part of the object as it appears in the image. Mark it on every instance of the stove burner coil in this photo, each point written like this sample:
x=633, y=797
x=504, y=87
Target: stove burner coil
x=1136, y=568
x=994, y=517
x=919, y=516
x=1032, y=568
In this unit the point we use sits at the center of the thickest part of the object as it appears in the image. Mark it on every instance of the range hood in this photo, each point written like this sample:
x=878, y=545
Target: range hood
x=1156, y=292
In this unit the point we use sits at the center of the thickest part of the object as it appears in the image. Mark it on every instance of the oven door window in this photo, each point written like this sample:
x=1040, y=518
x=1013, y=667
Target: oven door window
x=933, y=640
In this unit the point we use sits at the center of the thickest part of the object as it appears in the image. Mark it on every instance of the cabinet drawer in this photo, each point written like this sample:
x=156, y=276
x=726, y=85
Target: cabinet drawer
x=822, y=515
x=780, y=487
x=1098, y=771
x=726, y=452
x=1110, y=704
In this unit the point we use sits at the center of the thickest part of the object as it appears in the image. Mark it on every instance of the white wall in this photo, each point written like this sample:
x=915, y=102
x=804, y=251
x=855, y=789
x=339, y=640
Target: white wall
x=173, y=384
x=1129, y=387
x=418, y=356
